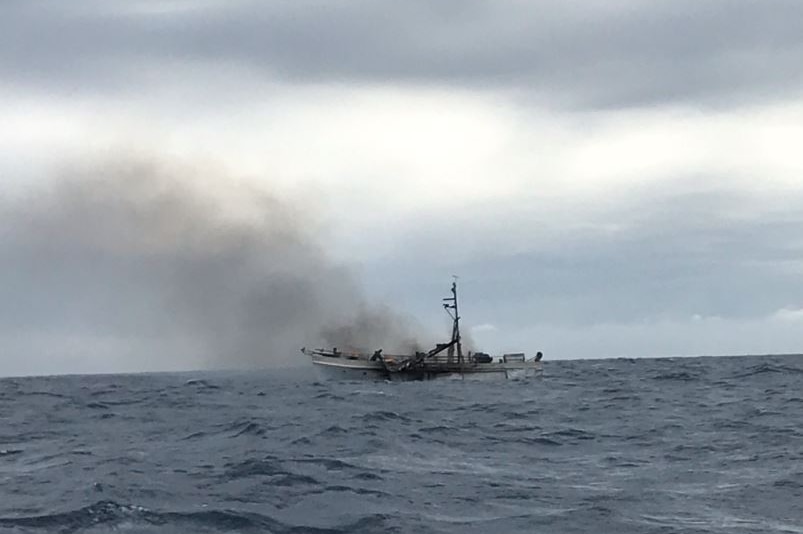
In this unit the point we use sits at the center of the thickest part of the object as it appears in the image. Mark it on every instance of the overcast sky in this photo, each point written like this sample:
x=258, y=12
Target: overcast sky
x=608, y=178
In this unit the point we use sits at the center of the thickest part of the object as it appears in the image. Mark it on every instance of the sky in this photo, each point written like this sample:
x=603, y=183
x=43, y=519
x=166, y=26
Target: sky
x=613, y=178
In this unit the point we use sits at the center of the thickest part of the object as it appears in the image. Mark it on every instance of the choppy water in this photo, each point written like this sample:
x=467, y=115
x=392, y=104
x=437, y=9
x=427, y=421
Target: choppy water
x=685, y=445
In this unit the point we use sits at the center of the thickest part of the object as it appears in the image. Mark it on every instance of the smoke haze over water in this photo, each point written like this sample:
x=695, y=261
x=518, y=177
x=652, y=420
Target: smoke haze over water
x=138, y=264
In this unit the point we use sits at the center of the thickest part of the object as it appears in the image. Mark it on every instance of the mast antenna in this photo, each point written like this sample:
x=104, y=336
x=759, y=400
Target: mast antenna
x=450, y=303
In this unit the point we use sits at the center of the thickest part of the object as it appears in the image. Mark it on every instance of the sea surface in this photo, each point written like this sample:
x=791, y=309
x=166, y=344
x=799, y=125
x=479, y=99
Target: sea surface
x=690, y=445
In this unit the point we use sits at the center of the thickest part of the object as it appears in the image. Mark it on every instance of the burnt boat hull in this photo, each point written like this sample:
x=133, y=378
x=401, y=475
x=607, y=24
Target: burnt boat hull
x=345, y=368
x=476, y=373
x=445, y=360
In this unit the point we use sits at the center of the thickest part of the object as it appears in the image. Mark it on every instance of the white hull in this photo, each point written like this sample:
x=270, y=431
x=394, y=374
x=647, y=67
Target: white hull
x=345, y=369
x=362, y=369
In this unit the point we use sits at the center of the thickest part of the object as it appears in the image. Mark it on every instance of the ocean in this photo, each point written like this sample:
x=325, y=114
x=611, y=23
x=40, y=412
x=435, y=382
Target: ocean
x=687, y=445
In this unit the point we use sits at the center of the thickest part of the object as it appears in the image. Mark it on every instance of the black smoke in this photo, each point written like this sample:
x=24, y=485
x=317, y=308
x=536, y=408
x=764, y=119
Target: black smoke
x=141, y=264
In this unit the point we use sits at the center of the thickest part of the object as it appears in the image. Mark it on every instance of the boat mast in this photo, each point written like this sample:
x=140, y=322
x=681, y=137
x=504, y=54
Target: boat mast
x=455, y=325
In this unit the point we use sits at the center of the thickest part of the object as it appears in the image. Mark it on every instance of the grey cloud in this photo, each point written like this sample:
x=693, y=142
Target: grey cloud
x=565, y=54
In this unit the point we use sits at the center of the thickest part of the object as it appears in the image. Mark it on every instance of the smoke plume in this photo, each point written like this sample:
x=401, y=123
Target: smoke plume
x=143, y=265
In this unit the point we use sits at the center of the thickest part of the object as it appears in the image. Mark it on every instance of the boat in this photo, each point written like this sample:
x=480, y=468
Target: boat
x=445, y=360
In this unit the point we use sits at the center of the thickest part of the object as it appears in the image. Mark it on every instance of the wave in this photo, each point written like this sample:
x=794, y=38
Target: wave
x=571, y=434
x=111, y=515
x=269, y=467
x=248, y=428
x=372, y=417
x=265, y=466
x=44, y=394
x=333, y=429
x=764, y=368
x=676, y=375
x=201, y=383
x=330, y=396
x=241, y=427
x=540, y=441
x=331, y=464
x=357, y=491
x=437, y=429
x=795, y=481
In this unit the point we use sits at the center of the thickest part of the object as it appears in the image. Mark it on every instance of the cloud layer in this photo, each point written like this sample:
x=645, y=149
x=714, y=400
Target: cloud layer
x=608, y=178
x=590, y=54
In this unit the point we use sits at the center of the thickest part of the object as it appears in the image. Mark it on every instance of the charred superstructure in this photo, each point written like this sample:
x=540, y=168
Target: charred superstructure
x=443, y=360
